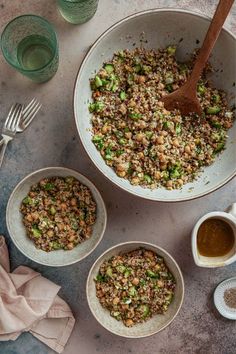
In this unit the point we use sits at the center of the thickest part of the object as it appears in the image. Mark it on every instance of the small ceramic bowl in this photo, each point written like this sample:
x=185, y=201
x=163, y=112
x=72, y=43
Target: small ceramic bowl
x=153, y=325
x=17, y=230
x=213, y=262
x=222, y=307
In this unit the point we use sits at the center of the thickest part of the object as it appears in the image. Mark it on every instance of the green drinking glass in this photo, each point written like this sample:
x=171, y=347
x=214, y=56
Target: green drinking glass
x=29, y=44
x=77, y=11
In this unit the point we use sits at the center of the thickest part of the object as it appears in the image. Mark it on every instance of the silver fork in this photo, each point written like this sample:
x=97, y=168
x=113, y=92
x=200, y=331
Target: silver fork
x=9, y=128
x=28, y=114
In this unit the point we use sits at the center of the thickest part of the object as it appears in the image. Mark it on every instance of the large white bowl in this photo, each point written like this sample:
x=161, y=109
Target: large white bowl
x=17, y=230
x=154, y=324
x=161, y=28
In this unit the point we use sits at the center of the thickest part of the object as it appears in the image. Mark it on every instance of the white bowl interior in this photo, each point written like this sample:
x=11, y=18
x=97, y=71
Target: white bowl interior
x=156, y=323
x=161, y=28
x=17, y=230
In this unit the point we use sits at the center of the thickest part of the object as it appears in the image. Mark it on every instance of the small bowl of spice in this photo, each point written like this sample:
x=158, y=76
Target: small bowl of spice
x=225, y=298
x=214, y=239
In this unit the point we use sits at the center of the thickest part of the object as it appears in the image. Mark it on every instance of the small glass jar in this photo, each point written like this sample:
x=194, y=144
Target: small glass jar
x=77, y=11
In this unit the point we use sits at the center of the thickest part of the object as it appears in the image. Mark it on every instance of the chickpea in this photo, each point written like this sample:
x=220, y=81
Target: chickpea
x=124, y=280
x=63, y=206
x=160, y=86
x=141, y=79
x=73, y=201
x=121, y=173
x=176, y=142
x=161, y=148
x=189, y=168
x=160, y=140
x=72, y=238
x=135, y=281
x=122, y=166
x=139, y=136
x=135, y=181
x=162, y=157
x=123, y=109
x=29, y=217
x=115, y=301
x=35, y=215
x=132, y=103
x=180, y=182
x=142, y=124
x=160, y=283
x=50, y=233
x=129, y=322
x=70, y=246
x=169, y=184
x=164, y=133
x=163, y=166
x=148, y=254
x=128, y=135
x=61, y=226
x=106, y=128
x=158, y=175
x=187, y=149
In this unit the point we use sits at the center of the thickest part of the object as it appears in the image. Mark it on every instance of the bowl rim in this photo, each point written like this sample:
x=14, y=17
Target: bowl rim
x=56, y=168
x=83, y=63
x=139, y=244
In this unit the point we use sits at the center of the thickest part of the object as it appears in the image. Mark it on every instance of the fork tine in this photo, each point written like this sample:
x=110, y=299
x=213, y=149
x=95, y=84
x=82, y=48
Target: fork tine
x=31, y=115
x=16, y=118
x=29, y=106
x=10, y=116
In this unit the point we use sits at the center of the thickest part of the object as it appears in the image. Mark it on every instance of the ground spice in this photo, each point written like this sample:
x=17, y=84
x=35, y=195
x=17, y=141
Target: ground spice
x=230, y=297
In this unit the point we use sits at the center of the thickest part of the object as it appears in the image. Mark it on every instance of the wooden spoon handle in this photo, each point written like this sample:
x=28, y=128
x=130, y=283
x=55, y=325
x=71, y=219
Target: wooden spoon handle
x=213, y=32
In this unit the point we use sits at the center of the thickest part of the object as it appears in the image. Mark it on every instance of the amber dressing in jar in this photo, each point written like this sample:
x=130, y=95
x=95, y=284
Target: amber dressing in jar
x=215, y=238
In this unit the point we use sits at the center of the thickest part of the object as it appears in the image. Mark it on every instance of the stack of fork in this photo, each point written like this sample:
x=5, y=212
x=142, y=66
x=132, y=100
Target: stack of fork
x=18, y=119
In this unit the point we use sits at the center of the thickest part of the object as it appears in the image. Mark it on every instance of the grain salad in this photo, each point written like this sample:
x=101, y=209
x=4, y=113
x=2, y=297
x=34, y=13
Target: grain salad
x=58, y=213
x=141, y=140
x=135, y=286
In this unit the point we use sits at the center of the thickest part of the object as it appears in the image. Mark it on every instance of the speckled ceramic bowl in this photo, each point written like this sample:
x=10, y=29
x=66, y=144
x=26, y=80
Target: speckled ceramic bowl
x=154, y=29
x=153, y=325
x=17, y=230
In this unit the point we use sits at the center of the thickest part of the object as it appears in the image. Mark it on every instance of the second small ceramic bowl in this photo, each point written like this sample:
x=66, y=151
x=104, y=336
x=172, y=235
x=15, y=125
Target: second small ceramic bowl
x=156, y=323
x=17, y=230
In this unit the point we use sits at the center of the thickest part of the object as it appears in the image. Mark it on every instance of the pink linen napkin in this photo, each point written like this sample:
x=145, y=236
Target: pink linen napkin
x=29, y=302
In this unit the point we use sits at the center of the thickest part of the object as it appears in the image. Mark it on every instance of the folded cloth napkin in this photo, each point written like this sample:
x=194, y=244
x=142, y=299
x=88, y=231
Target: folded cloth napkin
x=29, y=302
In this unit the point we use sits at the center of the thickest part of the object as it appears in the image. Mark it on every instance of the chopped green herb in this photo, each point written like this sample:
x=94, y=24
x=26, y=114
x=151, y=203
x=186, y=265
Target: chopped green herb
x=109, y=68
x=98, y=81
x=178, y=128
x=122, y=95
x=171, y=50
x=97, y=138
x=213, y=110
x=147, y=178
x=135, y=116
x=36, y=232
x=49, y=186
x=219, y=147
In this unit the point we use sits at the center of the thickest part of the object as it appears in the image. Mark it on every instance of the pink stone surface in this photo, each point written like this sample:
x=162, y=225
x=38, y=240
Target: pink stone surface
x=52, y=140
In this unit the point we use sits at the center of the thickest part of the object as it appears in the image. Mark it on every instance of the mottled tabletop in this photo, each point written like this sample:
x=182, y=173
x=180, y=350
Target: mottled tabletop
x=52, y=140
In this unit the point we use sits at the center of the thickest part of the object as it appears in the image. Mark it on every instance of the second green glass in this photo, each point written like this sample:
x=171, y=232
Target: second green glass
x=77, y=11
x=29, y=44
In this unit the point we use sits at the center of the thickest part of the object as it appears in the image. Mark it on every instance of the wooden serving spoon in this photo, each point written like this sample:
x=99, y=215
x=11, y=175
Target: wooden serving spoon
x=185, y=98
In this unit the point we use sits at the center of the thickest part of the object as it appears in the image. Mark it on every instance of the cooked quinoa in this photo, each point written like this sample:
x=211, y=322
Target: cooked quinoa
x=141, y=140
x=135, y=286
x=58, y=213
